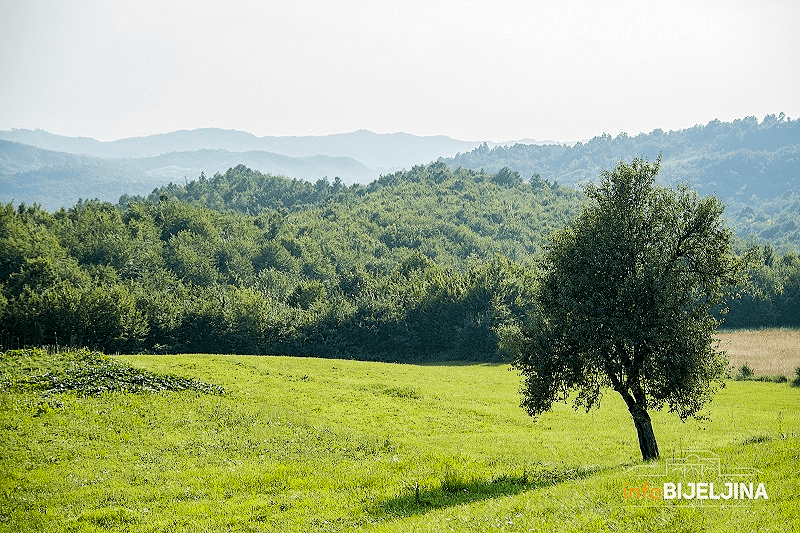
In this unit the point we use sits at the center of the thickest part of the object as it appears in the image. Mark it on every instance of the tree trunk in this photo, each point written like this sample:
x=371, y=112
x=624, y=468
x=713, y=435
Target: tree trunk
x=644, y=427
x=647, y=439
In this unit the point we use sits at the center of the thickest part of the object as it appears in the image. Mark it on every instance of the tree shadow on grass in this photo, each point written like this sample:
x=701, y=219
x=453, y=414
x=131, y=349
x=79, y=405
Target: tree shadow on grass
x=456, y=490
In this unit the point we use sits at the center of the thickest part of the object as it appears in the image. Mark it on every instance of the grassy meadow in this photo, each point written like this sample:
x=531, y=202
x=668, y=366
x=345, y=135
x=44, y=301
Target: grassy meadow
x=298, y=444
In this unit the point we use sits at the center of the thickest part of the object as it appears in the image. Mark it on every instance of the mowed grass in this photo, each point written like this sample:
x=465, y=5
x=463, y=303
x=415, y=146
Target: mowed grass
x=766, y=352
x=331, y=445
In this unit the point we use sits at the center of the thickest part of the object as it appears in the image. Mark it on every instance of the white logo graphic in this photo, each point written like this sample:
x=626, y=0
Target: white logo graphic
x=694, y=476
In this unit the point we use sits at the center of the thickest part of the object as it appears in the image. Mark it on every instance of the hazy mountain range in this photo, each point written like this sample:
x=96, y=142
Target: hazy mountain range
x=741, y=161
x=377, y=151
x=55, y=171
x=55, y=179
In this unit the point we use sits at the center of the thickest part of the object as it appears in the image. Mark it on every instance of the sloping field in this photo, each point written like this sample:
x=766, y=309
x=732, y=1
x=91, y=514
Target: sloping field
x=767, y=352
x=332, y=445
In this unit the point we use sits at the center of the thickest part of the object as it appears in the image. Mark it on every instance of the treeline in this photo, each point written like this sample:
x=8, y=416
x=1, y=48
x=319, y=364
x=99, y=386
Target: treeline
x=413, y=266
x=419, y=265
x=772, y=296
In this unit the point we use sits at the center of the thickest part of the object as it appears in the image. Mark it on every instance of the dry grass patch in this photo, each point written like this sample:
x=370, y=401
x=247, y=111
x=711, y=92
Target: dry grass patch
x=767, y=352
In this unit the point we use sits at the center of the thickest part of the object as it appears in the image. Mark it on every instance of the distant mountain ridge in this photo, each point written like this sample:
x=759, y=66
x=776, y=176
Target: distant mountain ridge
x=382, y=152
x=57, y=179
x=55, y=171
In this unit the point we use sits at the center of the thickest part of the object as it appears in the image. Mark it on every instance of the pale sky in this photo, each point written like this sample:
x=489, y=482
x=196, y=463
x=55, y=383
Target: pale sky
x=474, y=70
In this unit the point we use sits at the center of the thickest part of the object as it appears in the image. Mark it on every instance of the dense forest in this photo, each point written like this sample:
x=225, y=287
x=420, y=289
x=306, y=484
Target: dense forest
x=752, y=166
x=430, y=263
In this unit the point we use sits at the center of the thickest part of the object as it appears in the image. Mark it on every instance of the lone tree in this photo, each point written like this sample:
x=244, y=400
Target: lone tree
x=624, y=302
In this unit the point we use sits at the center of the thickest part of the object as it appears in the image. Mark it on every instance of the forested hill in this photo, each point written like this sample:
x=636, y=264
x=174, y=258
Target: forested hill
x=734, y=160
x=418, y=265
x=450, y=216
x=752, y=166
x=424, y=264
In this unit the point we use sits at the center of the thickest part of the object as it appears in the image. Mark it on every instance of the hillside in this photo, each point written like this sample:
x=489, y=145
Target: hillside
x=448, y=215
x=334, y=445
x=316, y=445
x=734, y=160
x=425, y=264
x=418, y=265
x=754, y=167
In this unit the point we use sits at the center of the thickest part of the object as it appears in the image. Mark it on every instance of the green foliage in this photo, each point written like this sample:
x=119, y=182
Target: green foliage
x=771, y=293
x=250, y=192
x=411, y=267
x=745, y=372
x=625, y=299
x=96, y=315
x=430, y=263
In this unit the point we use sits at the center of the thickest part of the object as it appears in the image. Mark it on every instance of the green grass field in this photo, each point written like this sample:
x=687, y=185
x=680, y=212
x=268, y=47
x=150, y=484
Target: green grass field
x=331, y=445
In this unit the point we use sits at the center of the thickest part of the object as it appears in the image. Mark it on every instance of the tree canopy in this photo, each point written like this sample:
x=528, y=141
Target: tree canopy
x=419, y=265
x=422, y=264
x=624, y=302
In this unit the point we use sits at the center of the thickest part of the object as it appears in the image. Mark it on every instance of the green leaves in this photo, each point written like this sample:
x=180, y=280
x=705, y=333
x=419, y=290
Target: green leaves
x=625, y=299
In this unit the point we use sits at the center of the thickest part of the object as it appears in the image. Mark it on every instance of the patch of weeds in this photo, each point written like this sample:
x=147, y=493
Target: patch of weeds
x=455, y=488
x=453, y=482
x=512, y=480
x=109, y=517
x=374, y=447
x=227, y=417
x=773, y=379
x=402, y=392
x=747, y=374
x=88, y=373
x=49, y=405
x=757, y=439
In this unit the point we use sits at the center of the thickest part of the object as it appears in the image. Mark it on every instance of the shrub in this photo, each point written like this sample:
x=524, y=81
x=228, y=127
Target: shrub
x=796, y=380
x=745, y=372
x=774, y=379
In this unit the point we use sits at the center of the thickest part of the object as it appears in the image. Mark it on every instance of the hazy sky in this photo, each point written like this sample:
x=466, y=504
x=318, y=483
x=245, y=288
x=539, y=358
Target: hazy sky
x=473, y=70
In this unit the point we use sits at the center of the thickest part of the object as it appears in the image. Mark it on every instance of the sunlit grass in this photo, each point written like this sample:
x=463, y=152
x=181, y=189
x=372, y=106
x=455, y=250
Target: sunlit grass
x=331, y=445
